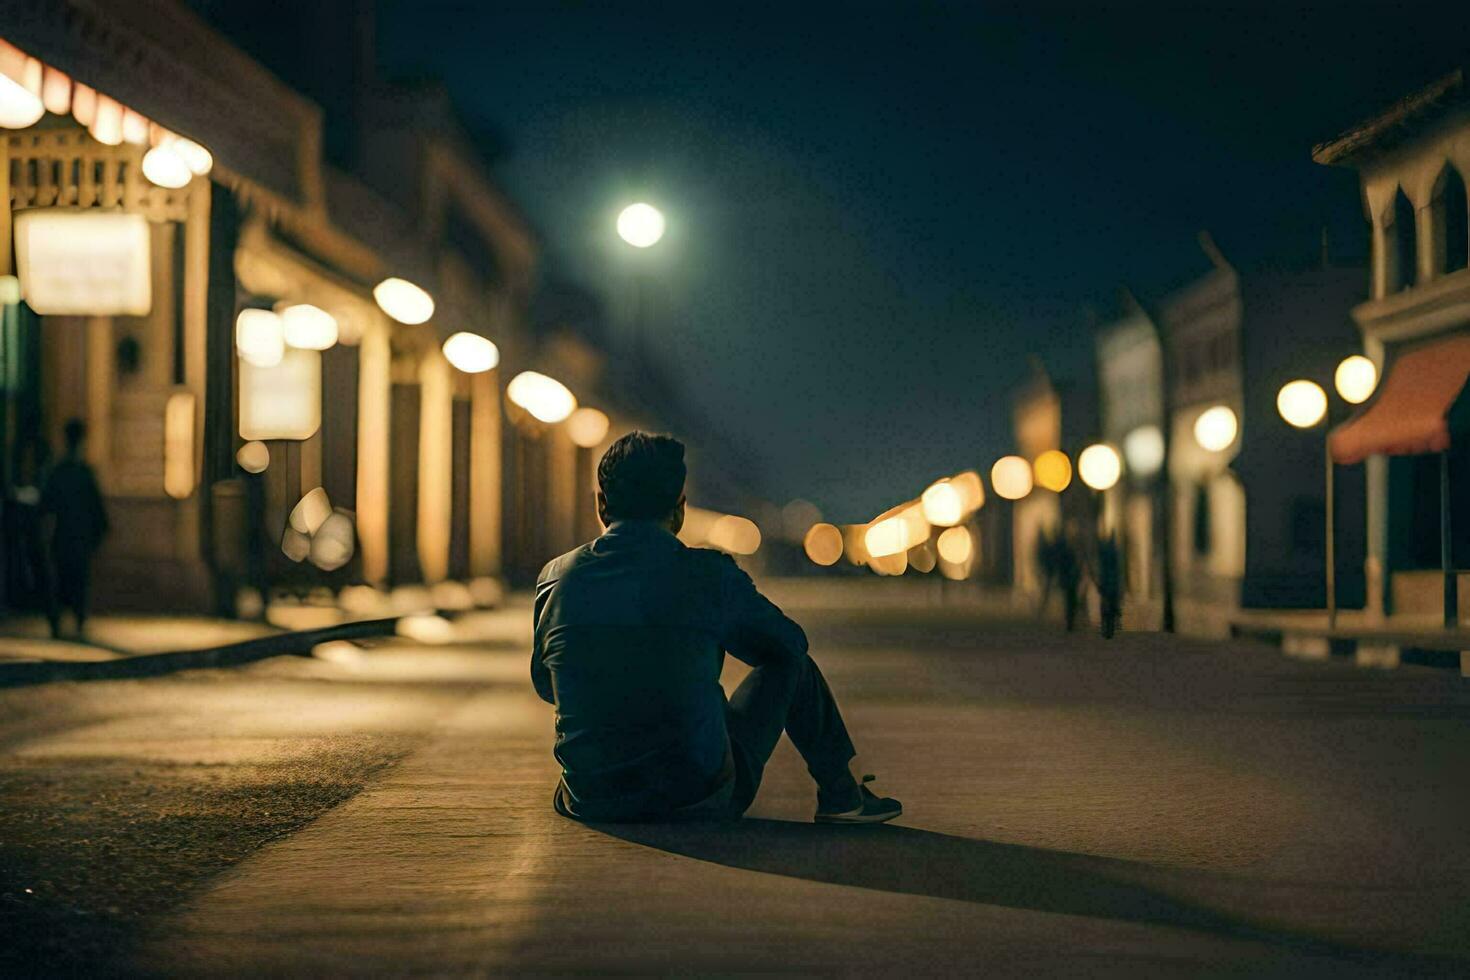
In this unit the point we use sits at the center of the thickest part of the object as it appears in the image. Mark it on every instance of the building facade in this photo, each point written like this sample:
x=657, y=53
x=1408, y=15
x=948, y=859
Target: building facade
x=135, y=291
x=1413, y=160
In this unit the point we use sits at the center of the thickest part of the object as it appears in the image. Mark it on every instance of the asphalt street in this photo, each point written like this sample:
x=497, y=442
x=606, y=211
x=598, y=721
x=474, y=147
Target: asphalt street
x=1149, y=806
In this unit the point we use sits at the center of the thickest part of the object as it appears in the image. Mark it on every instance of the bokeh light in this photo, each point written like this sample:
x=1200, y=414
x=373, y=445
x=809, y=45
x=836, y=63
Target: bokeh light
x=942, y=504
x=308, y=327
x=545, y=398
x=587, y=427
x=736, y=535
x=895, y=531
x=311, y=511
x=955, y=545
x=471, y=353
x=1215, y=429
x=1302, y=403
x=403, y=301
x=641, y=225
x=1010, y=477
x=823, y=544
x=1099, y=466
x=260, y=337
x=253, y=457
x=20, y=100
x=333, y=543
x=1053, y=470
x=1355, y=379
x=164, y=166
x=1143, y=448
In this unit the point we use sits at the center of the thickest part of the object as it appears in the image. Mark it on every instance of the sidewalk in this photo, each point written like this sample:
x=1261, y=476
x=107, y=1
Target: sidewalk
x=28, y=638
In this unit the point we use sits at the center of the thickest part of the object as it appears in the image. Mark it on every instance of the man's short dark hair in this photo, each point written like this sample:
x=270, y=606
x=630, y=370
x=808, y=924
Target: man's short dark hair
x=642, y=476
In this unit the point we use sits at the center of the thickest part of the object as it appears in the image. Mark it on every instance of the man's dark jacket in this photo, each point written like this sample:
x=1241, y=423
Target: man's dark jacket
x=631, y=631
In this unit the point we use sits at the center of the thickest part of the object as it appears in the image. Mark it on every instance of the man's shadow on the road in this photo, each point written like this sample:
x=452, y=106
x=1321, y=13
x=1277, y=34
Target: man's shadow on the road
x=921, y=862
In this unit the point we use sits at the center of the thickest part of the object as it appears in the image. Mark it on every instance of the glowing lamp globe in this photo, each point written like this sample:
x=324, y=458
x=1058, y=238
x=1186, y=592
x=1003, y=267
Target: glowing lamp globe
x=1053, y=470
x=471, y=353
x=1011, y=477
x=544, y=398
x=1215, y=429
x=403, y=301
x=308, y=327
x=823, y=544
x=1355, y=379
x=1302, y=403
x=163, y=166
x=641, y=225
x=587, y=427
x=1099, y=467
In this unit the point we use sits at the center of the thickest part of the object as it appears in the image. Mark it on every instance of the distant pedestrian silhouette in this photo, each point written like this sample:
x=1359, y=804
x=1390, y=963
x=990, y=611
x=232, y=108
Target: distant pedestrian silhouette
x=630, y=636
x=1058, y=560
x=73, y=503
x=1108, y=575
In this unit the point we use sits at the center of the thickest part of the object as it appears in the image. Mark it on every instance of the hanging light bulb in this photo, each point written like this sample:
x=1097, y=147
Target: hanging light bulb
x=403, y=301
x=20, y=89
x=164, y=167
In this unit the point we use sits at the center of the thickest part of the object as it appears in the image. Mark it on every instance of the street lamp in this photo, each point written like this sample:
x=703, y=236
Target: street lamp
x=641, y=225
x=1303, y=404
x=1215, y=429
x=1355, y=379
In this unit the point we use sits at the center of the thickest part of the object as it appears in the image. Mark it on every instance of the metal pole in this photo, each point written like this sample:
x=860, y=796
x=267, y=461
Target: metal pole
x=1331, y=546
x=1446, y=559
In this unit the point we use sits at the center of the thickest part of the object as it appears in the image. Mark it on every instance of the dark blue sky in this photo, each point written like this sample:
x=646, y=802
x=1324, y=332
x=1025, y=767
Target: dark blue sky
x=878, y=210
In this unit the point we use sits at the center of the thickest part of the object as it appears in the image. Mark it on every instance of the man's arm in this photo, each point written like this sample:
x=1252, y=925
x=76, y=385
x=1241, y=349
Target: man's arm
x=540, y=675
x=755, y=629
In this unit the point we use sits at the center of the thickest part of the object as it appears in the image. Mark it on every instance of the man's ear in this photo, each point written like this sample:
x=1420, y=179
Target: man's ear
x=602, y=509
x=676, y=516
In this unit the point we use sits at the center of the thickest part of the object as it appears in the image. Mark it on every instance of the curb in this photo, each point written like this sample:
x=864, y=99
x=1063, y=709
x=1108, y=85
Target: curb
x=1379, y=652
x=154, y=664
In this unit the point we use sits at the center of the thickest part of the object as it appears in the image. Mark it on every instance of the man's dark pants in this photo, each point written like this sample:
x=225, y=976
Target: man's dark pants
x=790, y=696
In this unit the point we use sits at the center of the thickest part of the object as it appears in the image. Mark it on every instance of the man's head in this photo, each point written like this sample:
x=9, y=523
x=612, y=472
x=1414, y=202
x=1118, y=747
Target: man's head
x=75, y=433
x=641, y=477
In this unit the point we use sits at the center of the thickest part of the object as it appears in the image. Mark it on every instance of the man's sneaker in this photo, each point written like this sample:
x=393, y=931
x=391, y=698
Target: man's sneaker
x=870, y=809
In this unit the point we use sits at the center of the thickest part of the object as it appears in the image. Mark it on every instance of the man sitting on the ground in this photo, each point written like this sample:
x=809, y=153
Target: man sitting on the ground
x=631, y=631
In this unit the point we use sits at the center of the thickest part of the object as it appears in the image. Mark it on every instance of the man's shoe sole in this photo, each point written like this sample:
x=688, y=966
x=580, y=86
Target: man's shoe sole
x=860, y=818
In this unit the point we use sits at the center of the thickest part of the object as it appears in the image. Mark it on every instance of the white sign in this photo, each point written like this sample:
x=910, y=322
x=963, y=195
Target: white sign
x=283, y=401
x=83, y=262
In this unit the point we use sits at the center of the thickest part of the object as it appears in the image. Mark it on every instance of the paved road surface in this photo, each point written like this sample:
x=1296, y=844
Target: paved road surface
x=1149, y=805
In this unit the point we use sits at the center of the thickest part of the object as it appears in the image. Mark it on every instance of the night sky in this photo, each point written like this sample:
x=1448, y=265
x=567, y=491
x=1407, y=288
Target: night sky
x=877, y=211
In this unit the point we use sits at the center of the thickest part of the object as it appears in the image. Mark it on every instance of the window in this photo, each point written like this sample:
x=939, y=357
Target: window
x=1454, y=223
x=1401, y=238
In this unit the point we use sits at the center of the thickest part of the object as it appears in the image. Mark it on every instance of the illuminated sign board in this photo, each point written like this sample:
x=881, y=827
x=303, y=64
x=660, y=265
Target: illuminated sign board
x=283, y=401
x=83, y=262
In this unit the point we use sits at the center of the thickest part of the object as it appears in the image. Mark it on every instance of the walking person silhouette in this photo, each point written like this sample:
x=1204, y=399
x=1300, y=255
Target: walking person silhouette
x=73, y=503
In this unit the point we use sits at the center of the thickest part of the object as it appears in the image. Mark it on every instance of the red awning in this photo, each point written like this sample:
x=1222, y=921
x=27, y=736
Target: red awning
x=1408, y=415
